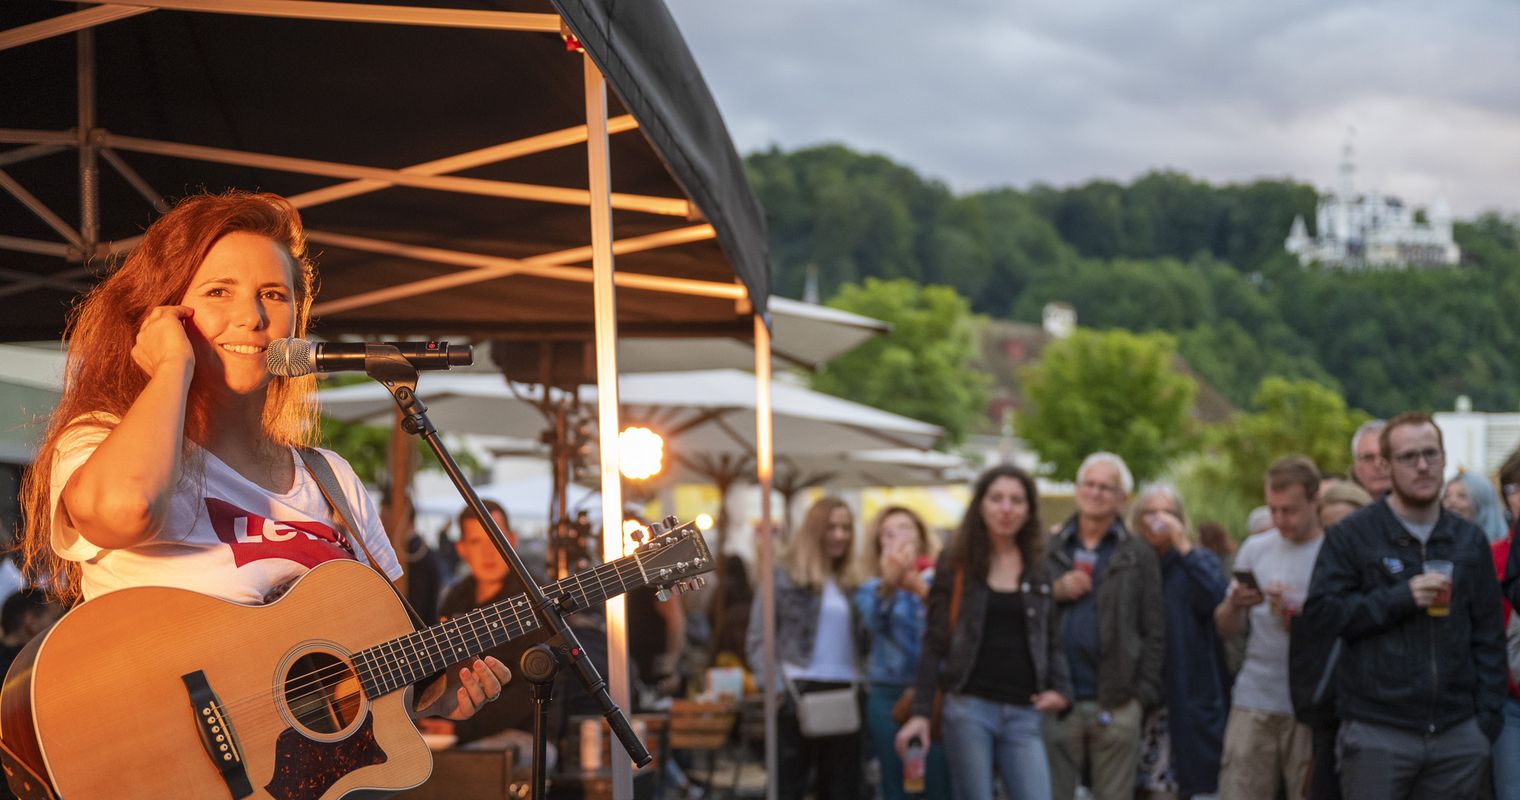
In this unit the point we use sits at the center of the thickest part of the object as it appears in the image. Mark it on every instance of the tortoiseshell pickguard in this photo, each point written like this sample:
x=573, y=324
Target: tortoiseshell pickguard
x=304, y=769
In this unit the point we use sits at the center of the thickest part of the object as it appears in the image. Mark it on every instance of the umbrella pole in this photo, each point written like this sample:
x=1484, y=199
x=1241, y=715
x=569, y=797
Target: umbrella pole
x=397, y=519
x=725, y=481
x=600, y=184
x=764, y=459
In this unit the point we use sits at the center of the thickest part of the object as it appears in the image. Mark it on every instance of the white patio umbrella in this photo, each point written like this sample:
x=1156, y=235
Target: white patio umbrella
x=705, y=416
x=31, y=380
x=701, y=411
x=802, y=334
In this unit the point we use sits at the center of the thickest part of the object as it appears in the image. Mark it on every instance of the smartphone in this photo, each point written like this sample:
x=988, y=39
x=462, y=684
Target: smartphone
x=1247, y=578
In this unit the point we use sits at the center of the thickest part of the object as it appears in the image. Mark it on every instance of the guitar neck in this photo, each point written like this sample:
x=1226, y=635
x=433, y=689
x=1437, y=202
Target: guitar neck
x=406, y=660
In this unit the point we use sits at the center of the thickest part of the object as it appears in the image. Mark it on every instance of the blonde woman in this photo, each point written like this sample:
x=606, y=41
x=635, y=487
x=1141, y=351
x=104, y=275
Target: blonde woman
x=819, y=642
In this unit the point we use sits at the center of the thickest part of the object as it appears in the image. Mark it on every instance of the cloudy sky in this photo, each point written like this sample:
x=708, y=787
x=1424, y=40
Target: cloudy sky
x=982, y=93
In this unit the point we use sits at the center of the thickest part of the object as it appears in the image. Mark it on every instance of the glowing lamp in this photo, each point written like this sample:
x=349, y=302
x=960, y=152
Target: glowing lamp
x=641, y=452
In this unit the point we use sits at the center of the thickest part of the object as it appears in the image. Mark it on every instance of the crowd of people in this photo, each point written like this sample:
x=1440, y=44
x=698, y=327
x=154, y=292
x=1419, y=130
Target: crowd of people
x=1352, y=646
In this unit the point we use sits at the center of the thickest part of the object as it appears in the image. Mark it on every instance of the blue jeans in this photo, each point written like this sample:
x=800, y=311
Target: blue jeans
x=981, y=735
x=879, y=701
x=1507, y=754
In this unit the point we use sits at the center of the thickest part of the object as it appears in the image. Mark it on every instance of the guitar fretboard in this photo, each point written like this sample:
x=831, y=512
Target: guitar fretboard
x=406, y=660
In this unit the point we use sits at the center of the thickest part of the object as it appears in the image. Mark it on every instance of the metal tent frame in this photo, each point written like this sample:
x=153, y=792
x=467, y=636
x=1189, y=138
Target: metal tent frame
x=687, y=241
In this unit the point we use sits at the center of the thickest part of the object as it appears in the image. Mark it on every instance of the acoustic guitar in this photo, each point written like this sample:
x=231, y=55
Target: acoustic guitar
x=158, y=693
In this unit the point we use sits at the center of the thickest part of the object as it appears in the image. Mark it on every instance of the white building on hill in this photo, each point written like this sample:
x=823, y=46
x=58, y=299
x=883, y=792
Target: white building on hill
x=1373, y=230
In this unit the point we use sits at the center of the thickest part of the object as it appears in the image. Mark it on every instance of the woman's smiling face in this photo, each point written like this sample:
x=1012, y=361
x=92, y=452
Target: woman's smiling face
x=243, y=299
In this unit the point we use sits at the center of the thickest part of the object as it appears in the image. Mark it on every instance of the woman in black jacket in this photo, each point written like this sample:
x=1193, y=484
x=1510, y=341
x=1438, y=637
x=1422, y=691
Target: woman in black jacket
x=1002, y=669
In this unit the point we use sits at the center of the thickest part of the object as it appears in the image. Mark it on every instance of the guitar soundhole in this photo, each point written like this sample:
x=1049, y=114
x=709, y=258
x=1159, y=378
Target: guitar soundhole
x=323, y=693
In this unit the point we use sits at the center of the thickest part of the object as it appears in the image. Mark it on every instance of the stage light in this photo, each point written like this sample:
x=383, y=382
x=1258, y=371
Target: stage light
x=641, y=452
x=704, y=522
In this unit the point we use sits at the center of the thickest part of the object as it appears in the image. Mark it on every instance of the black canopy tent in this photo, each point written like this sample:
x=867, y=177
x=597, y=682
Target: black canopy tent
x=442, y=170
x=440, y=155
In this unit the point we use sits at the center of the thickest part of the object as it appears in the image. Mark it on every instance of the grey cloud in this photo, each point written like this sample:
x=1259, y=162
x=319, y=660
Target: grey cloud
x=982, y=93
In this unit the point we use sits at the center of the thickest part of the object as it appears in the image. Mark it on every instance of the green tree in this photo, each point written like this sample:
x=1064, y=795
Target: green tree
x=1289, y=417
x=1107, y=390
x=922, y=368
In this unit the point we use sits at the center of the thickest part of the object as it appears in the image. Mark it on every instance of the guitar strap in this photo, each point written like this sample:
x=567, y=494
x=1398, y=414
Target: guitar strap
x=327, y=481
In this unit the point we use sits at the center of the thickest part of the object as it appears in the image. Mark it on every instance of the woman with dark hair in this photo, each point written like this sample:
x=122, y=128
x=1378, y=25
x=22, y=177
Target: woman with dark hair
x=999, y=663
x=891, y=604
x=172, y=441
x=819, y=642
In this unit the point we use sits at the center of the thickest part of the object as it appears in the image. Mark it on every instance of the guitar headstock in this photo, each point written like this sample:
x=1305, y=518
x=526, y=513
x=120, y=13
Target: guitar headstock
x=674, y=555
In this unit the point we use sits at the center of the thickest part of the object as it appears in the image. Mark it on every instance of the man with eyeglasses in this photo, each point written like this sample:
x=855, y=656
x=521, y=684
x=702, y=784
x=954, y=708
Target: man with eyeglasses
x=1112, y=623
x=1411, y=591
x=1368, y=467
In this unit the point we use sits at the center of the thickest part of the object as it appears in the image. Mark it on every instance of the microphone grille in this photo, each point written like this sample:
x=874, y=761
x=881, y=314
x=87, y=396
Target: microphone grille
x=290, y=358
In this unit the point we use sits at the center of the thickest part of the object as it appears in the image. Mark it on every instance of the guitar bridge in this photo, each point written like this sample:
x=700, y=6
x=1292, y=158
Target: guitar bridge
x=216, y=734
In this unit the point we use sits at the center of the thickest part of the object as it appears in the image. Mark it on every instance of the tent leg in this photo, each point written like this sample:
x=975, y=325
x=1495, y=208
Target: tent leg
x=764, y=463
x=607, y=395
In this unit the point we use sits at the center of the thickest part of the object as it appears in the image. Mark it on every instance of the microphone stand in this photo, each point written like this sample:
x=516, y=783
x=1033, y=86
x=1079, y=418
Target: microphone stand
x=385, y=364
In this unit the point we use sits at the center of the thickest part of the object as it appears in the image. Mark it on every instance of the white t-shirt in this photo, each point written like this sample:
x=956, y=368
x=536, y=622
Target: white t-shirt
x=224, y=536
x=833, y=645
x=1263, y=680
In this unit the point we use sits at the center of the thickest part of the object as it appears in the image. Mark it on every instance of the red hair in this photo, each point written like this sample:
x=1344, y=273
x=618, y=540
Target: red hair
x=100, y=375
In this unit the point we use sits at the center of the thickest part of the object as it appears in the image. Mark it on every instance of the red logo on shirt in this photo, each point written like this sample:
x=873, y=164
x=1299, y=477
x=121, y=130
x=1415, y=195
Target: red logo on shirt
x=253, y=537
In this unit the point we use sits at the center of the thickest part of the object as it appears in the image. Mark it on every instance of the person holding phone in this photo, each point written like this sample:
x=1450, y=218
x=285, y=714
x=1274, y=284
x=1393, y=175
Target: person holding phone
x=1182, y=740
x=1265, y=747
x=892, y=606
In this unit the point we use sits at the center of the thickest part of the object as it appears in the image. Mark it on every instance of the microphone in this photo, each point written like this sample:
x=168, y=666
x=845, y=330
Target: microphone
x=292, y=358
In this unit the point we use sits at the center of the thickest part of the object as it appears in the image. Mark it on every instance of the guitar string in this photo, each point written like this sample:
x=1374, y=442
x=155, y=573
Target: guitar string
x=430, y=637
x=390, y=678
x=304, y=705
x=348, y=670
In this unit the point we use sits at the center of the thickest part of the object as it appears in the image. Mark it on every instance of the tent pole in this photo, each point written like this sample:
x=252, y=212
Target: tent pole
x=599, y=171
x=764, y=462
x=89, y=165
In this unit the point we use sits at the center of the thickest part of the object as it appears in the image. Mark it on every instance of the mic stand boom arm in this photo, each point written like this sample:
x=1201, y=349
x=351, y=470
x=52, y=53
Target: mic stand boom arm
x=398, y=375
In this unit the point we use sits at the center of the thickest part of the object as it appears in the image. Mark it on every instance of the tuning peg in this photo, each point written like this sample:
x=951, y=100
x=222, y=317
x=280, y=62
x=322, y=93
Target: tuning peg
x=637, y=535
x=656, y=528
x=672, y=521
x=663, y=594
x=698, y=583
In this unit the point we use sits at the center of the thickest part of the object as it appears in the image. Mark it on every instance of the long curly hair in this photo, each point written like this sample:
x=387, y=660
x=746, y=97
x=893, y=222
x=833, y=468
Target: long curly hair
x=100, y=376
x=972, y=550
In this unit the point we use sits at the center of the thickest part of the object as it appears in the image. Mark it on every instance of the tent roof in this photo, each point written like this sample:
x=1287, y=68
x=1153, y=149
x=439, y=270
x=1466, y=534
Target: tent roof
x=418, y=152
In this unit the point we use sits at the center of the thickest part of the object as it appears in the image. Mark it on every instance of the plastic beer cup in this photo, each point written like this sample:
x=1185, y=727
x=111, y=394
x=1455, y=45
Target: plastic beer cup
x=1441, y=606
